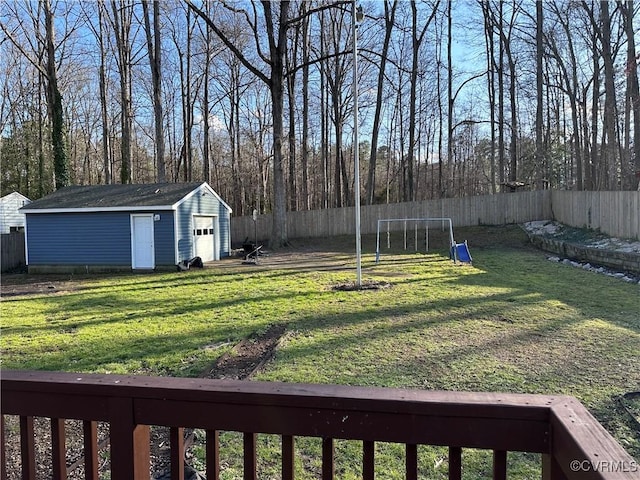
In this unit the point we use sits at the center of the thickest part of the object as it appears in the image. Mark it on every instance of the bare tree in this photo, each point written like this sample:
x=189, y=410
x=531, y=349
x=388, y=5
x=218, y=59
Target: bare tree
x=60, y=160
x=417, y=36
x=491, y=86
x=633, y=97
x=121, y=22
x=540, y=155
x=389, y=21
x=306, y=199
x=43, y=58
x=276, y=25
x=154, y=50
x=276, y=21
x=610, y=103
x=569, y=82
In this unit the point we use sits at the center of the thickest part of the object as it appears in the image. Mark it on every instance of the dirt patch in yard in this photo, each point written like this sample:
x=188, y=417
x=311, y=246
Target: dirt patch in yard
x=243, y=361
x=248, y=356
x=16, y=284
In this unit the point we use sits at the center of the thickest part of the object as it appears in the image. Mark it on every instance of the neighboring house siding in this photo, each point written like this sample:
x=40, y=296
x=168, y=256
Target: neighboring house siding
x=9, y=214
x=79, y=239
x=200, y=204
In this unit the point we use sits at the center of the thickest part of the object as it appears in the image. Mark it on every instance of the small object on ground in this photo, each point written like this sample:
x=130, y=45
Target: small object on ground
x=251, y=253
x=462, y=250
x=195, y=262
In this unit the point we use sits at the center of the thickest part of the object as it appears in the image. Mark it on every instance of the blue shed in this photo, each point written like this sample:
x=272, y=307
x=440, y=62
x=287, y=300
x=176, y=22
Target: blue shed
x=122, y=227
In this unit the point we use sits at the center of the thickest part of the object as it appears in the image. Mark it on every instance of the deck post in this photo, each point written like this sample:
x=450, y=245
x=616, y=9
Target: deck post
x=551, y=469
x=130, y=443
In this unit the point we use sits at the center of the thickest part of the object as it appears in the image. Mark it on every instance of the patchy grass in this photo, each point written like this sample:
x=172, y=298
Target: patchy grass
x=512, y=322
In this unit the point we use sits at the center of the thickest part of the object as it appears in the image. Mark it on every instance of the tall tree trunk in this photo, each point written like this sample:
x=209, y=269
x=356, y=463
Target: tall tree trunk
x=592, y=178
x=122, y=27
x=501, y=147
x=42, y=190
x=277, y=47
x=610, y=109
x=511, y=61
x=417, y=39
x=633, y=93
x=491, y=88
x=337, y=173
x=450, y=159
x=306, y=204
x=188, y=99
x=108, y=179
x=540, y=154
x=154, y=49
x=60, y=160
x=571, y=82
x=205, y=109
x=441, y=191
x=389, y=21
x=291, y=59
x=324, y=123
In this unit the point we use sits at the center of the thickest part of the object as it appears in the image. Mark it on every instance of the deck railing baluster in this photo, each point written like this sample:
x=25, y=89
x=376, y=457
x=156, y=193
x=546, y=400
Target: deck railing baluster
x=58, y=449
x=27, y=448
x=176, y=439
x=455, y=463
x=213, y=455
x=3, y=450
x=411, y=461
x=327, y=459
x=368, y=460
x=90, y=433
x=288, y=457
x=499, y=465
x=250, y=456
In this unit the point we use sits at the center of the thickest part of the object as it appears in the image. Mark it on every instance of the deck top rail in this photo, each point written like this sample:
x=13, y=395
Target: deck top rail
x=572, y=442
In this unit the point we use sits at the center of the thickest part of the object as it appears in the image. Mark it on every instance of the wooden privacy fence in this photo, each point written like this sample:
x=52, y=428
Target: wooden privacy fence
x=572, y=444
x=614, y=213
x=13, y=253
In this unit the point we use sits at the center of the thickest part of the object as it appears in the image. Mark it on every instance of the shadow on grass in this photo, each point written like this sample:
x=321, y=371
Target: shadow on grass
x=510, y=322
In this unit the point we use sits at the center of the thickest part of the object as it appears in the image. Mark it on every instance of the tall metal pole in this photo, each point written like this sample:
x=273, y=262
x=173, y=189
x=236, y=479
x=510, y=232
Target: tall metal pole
x=356, y=156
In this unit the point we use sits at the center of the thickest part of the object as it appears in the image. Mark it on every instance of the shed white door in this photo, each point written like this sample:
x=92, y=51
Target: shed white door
x=204, y=237
x=142, y=247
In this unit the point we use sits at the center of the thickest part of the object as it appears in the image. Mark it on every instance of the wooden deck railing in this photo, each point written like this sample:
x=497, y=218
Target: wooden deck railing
x=572, y=443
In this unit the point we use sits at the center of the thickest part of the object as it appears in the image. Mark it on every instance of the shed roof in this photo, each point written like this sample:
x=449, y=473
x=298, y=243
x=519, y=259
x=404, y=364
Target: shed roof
x=116, y=197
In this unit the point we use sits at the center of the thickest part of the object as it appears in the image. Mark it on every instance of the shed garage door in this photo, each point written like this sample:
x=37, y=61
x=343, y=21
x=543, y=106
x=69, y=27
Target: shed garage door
x=204, y=237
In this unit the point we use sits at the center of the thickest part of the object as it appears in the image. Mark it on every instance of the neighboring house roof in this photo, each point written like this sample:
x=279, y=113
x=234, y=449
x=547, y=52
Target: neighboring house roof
x=14, y=196
x=10, y=214
x=117, y=197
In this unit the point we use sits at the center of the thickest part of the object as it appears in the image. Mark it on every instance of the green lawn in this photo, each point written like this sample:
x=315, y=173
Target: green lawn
x=512, y=322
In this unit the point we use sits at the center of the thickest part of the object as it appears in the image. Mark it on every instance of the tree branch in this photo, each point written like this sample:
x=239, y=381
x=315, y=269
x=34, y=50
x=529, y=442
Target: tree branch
x=228, y=43
x=16, y=44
